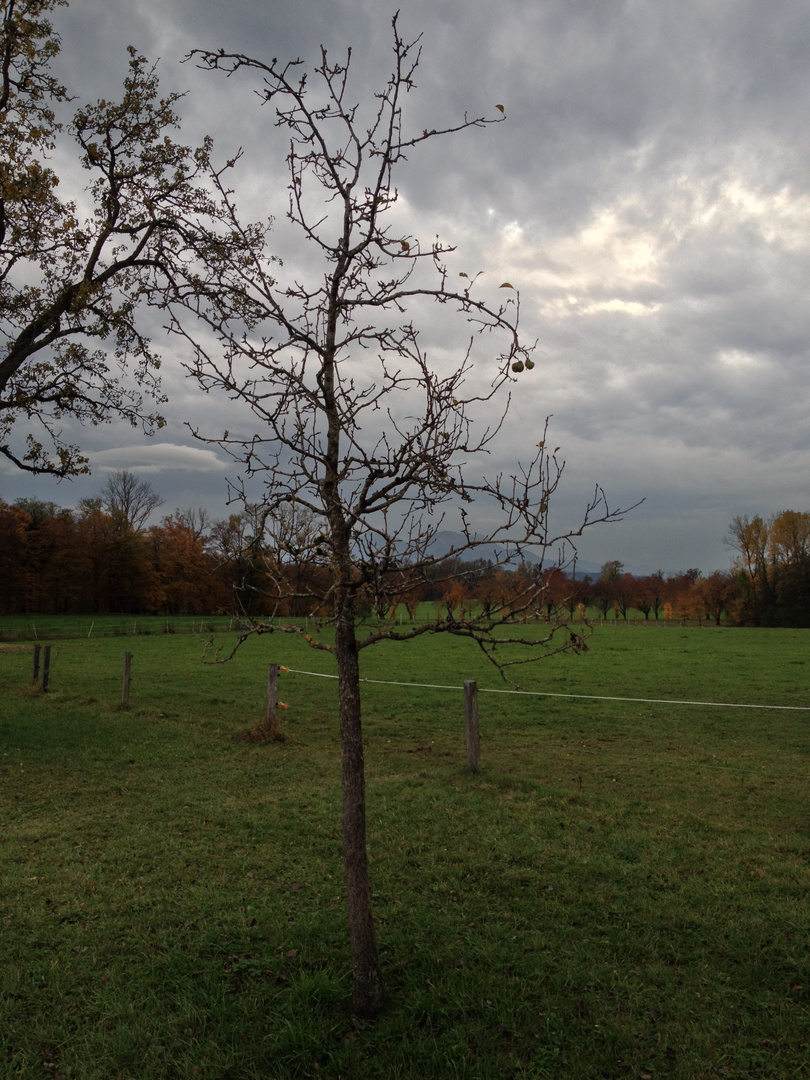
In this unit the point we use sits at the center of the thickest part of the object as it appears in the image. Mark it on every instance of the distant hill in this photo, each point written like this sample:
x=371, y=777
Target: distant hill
x=446, y=540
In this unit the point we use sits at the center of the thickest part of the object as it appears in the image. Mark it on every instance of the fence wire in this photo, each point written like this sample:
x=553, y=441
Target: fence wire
x=552, y=694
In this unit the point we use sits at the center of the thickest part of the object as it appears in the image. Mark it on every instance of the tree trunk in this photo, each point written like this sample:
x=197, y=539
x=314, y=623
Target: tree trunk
x=368, y=992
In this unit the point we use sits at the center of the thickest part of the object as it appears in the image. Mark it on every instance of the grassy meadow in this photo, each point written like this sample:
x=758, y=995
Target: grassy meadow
x=621, y=892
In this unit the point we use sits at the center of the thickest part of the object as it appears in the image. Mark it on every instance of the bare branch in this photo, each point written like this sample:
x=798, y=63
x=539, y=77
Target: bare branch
x=360, y=439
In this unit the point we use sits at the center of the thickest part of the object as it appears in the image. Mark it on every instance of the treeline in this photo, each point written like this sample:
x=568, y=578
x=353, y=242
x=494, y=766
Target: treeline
x=101, y=557
x=688, y=595
x=615, y=594
x=56, y=561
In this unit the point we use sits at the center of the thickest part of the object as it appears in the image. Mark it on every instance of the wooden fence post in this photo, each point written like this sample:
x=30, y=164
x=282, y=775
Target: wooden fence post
x=471, y=724
x=35, y=672
x=46, y=666
x=125, y=681
x=270, y=725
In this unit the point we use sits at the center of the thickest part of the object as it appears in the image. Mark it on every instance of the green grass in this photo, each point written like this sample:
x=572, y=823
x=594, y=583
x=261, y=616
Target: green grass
x=622, y=891
x=50, y=627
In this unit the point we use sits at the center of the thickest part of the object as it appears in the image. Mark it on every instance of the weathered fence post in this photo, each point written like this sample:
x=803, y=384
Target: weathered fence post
x=471, y=724
x=270, y=724
x=46, y=666
x=125, y=681
x=35, y=672
x=268, y=729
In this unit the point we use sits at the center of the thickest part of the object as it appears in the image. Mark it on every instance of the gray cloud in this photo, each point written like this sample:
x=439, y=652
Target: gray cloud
x=648, y=193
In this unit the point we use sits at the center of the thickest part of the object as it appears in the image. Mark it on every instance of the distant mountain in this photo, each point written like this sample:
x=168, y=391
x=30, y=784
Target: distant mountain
x=446, y=540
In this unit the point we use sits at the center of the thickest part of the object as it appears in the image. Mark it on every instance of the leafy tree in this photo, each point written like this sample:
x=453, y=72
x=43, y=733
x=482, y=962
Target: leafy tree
x=611, y=570
x=789, y=538
x=39, y=510
x=354, y=423
x=133, y=579
x=70, y=283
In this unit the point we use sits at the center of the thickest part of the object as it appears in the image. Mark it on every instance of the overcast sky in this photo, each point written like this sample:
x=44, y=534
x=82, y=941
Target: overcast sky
x=649, y=194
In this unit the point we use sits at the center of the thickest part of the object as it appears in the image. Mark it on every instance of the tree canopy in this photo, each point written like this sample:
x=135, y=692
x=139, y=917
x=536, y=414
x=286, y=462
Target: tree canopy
x=71, y=282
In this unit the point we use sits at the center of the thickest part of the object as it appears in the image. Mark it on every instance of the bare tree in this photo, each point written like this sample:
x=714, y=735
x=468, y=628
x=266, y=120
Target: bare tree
x=128, y=500
x=359, y=435
x=196, y=519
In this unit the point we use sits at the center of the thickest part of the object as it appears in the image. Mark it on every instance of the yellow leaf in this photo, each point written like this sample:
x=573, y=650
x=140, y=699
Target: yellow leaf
x=462, y=274
x=506, y=285
x=500, y=107
x=405, y=245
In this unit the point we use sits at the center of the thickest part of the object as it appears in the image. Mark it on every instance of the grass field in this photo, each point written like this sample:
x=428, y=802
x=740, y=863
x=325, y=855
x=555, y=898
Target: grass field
x=622, y=891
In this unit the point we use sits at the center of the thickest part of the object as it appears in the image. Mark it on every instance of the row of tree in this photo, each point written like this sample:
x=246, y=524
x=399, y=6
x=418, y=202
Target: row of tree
x=58, y=561
x=102, y=557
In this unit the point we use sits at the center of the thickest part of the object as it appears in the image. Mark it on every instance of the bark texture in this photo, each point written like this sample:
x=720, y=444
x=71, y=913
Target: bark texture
x=368, y=994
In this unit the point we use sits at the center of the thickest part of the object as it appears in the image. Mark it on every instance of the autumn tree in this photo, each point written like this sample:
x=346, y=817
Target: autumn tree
x=717, y=594
x=681, y=598
x=54, y=562
x=623, y=588
x=789, y=537
x=352, y=421
x=649, y=594
x=748, y=537
x=183, y=571
x=116, y=566
x=789, y=567
x=71, y=282
x=560, y=595
x=772, y=564
x=14, y=526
